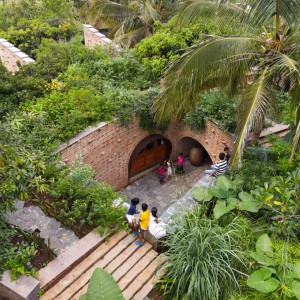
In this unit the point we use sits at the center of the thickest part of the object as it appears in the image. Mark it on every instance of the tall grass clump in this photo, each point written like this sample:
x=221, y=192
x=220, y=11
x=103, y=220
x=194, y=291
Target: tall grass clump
x=204, y=259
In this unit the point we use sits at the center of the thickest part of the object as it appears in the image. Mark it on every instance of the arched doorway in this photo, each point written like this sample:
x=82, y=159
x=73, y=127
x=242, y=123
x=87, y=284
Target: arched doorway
x=148, y=153
x=185, y=144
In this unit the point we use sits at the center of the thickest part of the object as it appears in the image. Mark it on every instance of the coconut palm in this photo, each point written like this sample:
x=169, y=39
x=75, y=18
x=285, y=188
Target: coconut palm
x=128, y=20
x=226, y=62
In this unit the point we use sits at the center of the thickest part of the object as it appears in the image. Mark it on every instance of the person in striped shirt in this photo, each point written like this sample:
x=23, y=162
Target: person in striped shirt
x=221, y=166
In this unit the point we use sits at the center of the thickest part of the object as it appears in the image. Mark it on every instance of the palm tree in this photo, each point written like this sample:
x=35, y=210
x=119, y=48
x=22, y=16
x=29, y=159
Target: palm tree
x=128, y=20
x=226, y=61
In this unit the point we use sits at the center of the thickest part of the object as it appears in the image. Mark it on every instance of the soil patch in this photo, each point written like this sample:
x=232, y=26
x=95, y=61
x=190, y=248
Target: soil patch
x=155, y=295
x=43, y=254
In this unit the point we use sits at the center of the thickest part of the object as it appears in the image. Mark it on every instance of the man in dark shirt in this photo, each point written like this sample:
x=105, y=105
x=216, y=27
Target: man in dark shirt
x=130, y=215
x=227, y=154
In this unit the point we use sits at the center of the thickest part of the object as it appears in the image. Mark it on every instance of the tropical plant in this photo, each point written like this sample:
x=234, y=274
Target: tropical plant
x=272, y=60
x=102, y=286
x=226, y=197
x=22, y=167
x=83, y=200
x=279, y=271
x=280, y=200
x=214, y=106
x=203, y=258
x=129, y=20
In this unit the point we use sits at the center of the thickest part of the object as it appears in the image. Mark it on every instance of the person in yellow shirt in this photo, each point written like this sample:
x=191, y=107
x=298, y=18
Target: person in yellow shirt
x=143, y=224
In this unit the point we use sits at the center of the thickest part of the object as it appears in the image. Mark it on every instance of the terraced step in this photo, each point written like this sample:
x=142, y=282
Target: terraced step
x=82, y=267
x=133, y=268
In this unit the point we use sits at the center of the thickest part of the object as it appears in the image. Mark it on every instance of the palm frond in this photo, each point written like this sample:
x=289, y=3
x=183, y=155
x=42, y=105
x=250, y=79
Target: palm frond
x=262, y=11
x=149, y=13
x=251, y=113
x=191, y=10
x=208, y=64
x=129, y=38
x=109, y=11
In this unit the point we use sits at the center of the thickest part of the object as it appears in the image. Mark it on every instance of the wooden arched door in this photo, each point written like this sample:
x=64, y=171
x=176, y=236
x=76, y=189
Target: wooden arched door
x=148, y=153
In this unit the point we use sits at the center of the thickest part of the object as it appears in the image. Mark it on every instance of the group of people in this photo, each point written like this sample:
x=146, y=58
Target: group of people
x=166, y=167
x=146, y=221
x=221, y=166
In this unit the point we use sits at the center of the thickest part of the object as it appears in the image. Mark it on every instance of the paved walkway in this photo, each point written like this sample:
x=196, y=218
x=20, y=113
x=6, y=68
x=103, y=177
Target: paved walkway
x=32, y=217
x=149, y=190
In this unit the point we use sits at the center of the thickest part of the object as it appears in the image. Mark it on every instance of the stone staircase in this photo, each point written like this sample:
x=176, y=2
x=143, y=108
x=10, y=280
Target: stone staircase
x=133, y=267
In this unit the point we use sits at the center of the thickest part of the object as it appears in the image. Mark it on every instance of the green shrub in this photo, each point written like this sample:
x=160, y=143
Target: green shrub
x=213, y=106
x=203, y=258
x=83, y=200
x=279, y=269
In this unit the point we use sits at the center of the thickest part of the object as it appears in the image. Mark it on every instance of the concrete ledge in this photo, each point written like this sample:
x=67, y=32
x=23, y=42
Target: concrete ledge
x=79, y=136
x=64, y=262
x=24, y=287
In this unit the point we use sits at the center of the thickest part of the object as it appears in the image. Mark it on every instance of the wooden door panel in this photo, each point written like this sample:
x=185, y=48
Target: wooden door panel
x=138, y=164
x=160, y=153
x=151, y=154
x=150, y=157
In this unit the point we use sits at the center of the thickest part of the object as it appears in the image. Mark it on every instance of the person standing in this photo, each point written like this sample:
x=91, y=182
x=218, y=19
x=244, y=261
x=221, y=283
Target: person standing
x=179, y=165
x=227, y=154
x=169, y=168
x=143, y=224
x=161, y=173
x=130, y=215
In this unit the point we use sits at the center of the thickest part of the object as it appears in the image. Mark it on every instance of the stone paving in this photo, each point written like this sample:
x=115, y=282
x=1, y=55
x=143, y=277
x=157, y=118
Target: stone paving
x=32, y=217
x=149, y=190
x=186, y=202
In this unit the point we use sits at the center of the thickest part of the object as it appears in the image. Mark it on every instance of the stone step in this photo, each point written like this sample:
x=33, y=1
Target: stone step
x=131, y=261
x=136, y=269
x=115, y=247
x=124, y=269
x=82, y=267
x=147, y=288
x=114, y=265
x=140, y=285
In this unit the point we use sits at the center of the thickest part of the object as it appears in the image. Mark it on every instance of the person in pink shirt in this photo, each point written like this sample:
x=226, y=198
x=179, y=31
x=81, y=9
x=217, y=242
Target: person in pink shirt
x=179, y=165
x=161, y=173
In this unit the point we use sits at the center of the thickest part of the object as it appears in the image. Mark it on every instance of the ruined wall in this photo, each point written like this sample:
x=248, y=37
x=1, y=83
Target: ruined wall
x=108, y=147
x=10, y=55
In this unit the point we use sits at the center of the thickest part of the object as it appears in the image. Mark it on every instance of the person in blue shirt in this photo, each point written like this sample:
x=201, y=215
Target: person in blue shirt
x=130, y=215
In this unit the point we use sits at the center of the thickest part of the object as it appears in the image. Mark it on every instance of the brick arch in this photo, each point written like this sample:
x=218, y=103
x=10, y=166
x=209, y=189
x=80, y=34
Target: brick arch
x=211, y=138
x=139, y=162
x=185, y=143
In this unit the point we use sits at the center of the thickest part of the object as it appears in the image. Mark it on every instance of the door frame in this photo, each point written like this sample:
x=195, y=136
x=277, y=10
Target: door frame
x=141, y=145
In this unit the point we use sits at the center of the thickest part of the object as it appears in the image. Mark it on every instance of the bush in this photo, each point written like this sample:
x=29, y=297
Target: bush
x=213, y=106
x=26, y=23
x=203, y=258
x=83, y=200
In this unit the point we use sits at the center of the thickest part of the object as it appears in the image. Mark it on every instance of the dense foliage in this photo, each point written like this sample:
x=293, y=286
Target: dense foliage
x=83, y=200
x=214, y=106
x=169, y=41
x=26, y=23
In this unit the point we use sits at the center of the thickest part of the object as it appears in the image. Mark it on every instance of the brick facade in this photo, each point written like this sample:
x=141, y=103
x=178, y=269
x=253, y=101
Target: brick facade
x=10, y=55
x=108, y=147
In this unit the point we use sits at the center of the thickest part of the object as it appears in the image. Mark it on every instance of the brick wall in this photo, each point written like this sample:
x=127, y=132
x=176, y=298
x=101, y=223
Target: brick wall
x=108, y=147
x=10, y=55
x=92, y=37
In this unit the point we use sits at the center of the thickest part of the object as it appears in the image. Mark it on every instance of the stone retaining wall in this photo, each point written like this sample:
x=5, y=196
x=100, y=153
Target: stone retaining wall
x=92, y=37
x=10, y=56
